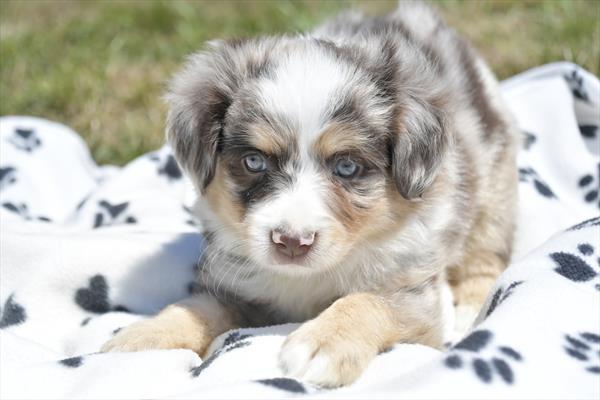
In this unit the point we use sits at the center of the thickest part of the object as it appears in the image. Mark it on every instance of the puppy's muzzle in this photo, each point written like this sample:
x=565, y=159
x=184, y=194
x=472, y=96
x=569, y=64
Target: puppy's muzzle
x=292, y=245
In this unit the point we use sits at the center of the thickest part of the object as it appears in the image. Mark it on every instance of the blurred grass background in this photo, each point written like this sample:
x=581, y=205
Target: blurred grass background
x=100, y=66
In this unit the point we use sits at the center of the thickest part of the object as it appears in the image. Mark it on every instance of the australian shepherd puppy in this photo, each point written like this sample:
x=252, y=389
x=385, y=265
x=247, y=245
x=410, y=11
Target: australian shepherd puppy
x=345, y=176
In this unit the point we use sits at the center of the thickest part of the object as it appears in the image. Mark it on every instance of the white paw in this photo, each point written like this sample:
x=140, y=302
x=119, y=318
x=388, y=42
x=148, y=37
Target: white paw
x=313, y=356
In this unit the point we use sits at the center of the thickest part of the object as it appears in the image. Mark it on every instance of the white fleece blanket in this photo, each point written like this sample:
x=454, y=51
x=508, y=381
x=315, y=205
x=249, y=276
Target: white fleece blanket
x=87, y=250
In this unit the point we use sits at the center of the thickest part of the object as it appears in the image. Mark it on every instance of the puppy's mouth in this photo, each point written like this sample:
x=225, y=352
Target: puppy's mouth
x=296, y=260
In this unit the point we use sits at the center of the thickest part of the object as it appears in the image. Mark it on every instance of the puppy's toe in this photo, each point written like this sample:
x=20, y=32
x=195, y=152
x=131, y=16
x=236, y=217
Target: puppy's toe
x=295, y=357
x=321, y=359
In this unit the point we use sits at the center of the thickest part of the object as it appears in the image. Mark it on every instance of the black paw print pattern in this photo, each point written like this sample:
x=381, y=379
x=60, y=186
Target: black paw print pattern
x=72, y=362
x=23, y=211
x=500, y=295
x=485, y=369
x=112, y=214
x=590, y=186
x=94, y=297
x=285, y=384
x=25, y=139
x=585, y=347
x=575, y=82
x=529, y=175
x=8, y=176
x=528, y=139
x=589, y=131
x=577, y=268
x=167, y=167
x=234, y=340
x=12, y=313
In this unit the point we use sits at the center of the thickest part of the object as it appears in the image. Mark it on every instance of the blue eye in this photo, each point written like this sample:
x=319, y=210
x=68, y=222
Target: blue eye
x=255, y=162
x=346, y=168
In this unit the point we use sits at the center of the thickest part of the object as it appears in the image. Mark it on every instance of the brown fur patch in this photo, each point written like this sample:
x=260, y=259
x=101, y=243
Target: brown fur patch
x=221, y=201
x=367, y=216
x=345, y=212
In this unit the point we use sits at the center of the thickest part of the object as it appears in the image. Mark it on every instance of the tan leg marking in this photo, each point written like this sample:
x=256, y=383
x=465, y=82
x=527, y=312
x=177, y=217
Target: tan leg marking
x=190, y=324
x=489, y=243
x=472, y=281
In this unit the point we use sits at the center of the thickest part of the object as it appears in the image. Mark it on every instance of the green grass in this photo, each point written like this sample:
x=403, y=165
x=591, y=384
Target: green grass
x=100, y=66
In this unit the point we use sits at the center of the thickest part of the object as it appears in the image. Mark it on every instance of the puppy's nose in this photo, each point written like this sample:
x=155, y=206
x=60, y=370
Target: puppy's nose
x=292, y=245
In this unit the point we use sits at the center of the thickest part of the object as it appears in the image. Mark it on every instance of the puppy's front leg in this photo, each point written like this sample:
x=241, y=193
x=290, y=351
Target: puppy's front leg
x=334, y=348
x=190, y=324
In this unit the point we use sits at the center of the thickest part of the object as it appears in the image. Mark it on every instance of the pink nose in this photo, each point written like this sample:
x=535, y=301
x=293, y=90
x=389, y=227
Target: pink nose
x=292, y=245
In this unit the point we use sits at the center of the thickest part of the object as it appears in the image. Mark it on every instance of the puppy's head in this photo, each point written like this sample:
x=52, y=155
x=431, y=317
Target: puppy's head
x=304, y=150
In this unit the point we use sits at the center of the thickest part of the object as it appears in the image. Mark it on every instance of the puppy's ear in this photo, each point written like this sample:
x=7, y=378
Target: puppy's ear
x=199, y=97
x=419, y=136
x=418, y=147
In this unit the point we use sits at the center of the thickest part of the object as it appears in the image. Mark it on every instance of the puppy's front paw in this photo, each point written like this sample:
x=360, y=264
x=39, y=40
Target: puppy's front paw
x=145, y=335
x=325, y=356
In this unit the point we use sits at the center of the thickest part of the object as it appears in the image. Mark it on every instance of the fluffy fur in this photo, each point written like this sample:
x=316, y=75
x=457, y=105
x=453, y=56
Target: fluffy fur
x=408, y=103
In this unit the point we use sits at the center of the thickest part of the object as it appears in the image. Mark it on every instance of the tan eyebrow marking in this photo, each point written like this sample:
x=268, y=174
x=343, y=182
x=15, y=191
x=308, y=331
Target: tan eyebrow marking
x=338, y=138
x=265, y=139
